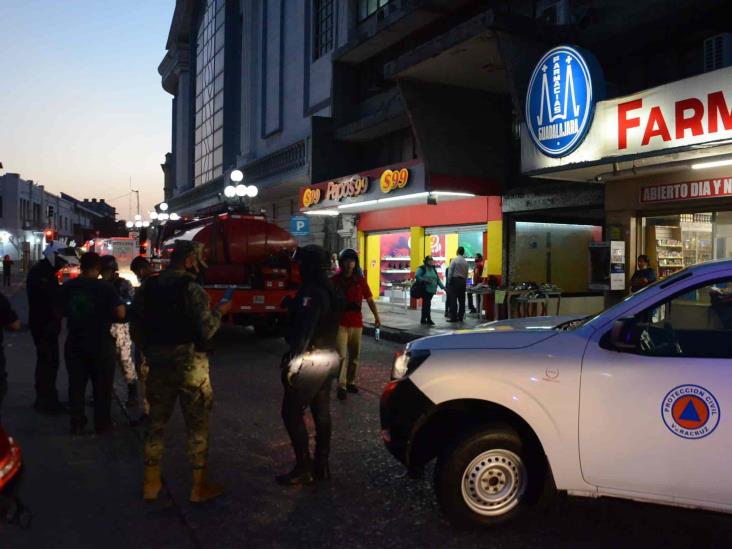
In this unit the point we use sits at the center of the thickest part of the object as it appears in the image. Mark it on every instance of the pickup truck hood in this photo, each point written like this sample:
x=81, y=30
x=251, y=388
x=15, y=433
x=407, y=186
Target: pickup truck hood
x=503, y=334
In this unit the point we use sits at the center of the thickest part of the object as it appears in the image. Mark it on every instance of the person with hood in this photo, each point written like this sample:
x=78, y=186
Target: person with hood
x=121, y=330
x=43, y=288
x=173, y=322
x=312, y=329
x=352, y=285
x=427, y=275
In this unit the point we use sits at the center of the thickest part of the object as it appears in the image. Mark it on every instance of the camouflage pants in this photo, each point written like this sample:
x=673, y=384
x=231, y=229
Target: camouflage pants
x=142, y=371
x=123, y=356
x=178, y=373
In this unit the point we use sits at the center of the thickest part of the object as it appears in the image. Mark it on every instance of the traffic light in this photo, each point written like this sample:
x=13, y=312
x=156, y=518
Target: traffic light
x=50, y=235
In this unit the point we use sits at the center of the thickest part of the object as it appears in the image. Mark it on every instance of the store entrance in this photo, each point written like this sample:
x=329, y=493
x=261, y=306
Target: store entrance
x=675, y=241
x=388, y=266
x=442, y=243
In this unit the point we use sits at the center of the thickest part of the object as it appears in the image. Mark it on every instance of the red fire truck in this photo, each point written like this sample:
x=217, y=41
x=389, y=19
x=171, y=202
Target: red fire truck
x=248, y=253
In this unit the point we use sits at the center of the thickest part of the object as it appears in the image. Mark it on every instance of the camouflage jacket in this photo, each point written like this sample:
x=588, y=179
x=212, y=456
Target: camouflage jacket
x=197, y=305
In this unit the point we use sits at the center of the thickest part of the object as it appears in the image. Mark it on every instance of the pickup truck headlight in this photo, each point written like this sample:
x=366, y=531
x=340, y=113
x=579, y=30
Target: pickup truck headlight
x=405, y=362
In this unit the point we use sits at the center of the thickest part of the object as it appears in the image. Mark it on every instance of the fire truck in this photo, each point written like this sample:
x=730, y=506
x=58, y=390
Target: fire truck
x=245, y=252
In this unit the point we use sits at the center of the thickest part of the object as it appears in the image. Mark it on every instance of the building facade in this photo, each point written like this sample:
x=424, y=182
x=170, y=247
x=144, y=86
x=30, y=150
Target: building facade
x=251, y=86
x=309, y=96
x=27, y=210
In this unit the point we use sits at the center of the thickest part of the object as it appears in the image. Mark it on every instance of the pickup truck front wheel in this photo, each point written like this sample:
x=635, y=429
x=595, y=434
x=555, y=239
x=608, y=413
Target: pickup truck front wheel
x=486, y=477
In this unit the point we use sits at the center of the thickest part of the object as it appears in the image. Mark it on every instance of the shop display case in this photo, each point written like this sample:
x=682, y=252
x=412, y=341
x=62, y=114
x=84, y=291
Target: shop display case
x=674, y=242
x=664, y=248
x=696, y=236
x=394, y=263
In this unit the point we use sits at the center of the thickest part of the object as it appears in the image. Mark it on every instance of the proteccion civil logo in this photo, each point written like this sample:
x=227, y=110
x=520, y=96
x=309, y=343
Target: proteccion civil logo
x=560, y=100
x=690, y=411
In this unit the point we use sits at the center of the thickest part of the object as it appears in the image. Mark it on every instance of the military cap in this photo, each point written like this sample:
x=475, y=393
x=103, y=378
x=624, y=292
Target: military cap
x=187, y=248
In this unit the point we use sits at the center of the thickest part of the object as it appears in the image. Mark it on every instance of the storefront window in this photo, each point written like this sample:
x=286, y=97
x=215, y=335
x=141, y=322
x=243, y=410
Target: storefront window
x=673, y=242
x=554, y=253
x=388, y=258
x=387, y=265
x=442, y=244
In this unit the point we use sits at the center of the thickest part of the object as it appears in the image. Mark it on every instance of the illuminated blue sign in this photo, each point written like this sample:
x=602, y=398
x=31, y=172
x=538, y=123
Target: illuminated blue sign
x=560, y=100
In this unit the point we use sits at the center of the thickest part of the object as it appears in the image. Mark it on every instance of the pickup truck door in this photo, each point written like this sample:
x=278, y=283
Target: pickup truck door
x=652, y=420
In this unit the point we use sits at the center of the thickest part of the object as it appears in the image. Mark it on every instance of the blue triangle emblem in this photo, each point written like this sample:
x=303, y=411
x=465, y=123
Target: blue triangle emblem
x=690, y=413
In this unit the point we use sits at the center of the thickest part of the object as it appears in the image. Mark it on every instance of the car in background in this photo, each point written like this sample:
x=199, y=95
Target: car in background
x=11, y=466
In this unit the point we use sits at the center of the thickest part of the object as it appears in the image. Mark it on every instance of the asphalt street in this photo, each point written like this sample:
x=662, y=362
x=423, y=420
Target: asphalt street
x=86, y=491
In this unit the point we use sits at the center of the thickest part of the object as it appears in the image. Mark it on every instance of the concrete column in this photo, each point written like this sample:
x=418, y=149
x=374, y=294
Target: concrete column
x=184, y=138
x=416, y=252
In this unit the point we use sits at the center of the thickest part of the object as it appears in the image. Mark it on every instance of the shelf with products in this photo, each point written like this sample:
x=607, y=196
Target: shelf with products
x=663, y=272
x=395, y=271
x=664, y=248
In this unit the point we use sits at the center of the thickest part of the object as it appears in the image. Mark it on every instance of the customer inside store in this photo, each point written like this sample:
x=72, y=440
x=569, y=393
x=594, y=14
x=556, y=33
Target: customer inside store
x=644, y=274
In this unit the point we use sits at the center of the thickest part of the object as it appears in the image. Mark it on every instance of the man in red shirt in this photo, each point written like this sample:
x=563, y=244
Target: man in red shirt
x=351, y=285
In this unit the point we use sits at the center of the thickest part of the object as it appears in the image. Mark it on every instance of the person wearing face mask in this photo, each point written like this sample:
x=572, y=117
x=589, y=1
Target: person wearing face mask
x=173, y=323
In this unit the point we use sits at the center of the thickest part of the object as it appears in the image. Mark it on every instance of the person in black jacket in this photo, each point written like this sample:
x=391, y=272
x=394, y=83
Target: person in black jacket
x=8, y=321
x=313, y=326
x=90, y=306
x=45, y=325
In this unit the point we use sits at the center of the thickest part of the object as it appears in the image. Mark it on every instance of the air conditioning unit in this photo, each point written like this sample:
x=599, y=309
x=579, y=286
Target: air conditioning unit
x=718, y=51
x=554, y=12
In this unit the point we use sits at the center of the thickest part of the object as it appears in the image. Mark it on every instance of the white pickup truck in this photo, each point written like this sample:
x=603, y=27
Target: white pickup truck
x=628, y=403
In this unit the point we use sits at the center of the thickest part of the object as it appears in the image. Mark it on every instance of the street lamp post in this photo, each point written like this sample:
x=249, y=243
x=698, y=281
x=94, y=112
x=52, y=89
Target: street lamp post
x=238, y=191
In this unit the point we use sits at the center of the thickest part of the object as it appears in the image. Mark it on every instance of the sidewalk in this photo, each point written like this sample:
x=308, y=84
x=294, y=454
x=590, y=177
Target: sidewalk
x=402, y=325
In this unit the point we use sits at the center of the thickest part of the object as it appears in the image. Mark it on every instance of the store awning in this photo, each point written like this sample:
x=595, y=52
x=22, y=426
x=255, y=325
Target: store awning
x=392, y=186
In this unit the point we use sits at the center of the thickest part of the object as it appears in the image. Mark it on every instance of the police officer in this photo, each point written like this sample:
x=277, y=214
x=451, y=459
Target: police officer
x=174, y=326
x=313, y=325
x=45, y=325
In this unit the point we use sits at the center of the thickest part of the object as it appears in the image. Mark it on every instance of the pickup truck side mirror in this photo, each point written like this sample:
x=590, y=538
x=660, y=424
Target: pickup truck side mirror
x=625, y=335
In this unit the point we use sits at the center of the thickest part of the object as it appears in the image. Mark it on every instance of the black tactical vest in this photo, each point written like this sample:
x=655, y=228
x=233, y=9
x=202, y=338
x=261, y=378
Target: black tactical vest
x=166, y=320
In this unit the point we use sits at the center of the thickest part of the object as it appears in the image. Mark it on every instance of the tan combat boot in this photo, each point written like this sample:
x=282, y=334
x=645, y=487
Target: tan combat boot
x=203, y=490
x=151, y=483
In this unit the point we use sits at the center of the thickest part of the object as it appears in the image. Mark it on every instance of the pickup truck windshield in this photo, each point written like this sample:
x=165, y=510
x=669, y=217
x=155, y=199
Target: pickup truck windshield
x=661, y=283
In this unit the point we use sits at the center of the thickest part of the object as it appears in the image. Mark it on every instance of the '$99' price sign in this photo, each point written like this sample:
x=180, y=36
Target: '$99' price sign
x=394, y=179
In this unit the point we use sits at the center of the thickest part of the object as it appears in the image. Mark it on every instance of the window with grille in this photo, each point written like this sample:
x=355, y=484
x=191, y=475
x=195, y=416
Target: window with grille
x=209, y=121
x=366, y=8
x=323, y=27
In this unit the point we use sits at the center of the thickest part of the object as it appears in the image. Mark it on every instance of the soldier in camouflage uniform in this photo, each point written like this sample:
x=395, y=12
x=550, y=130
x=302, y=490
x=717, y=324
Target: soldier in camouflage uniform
x=173, y=324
